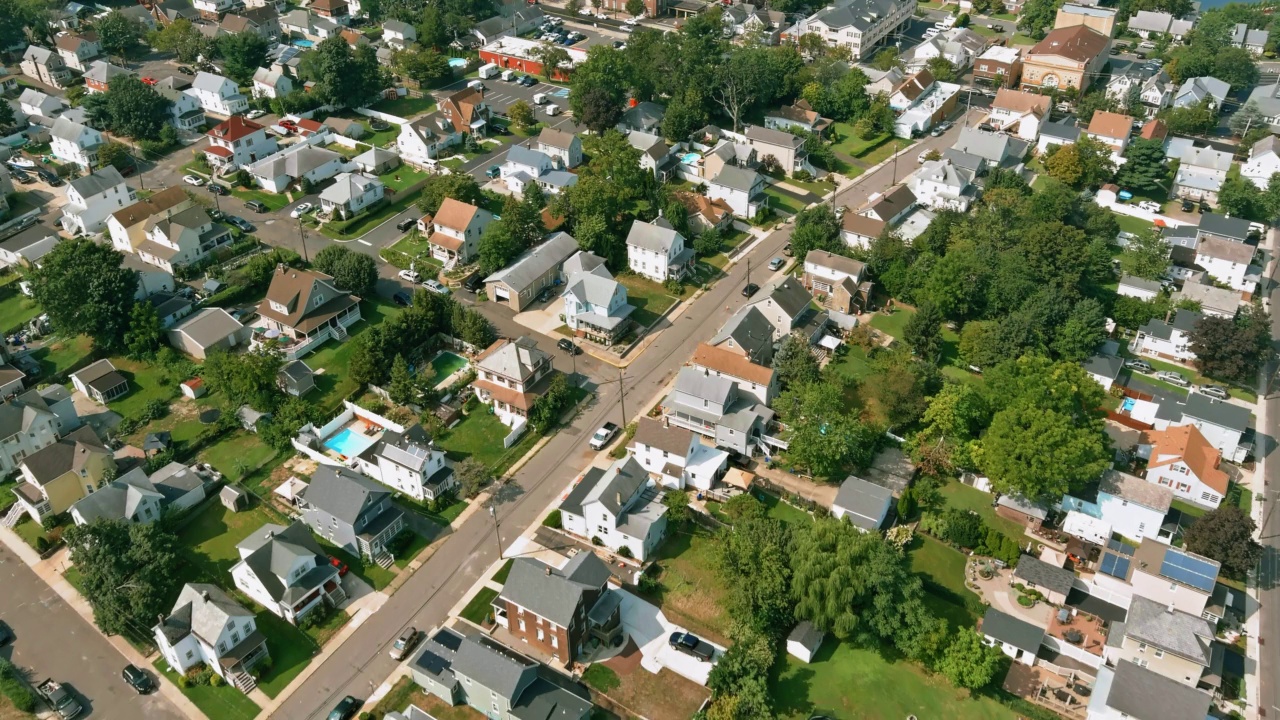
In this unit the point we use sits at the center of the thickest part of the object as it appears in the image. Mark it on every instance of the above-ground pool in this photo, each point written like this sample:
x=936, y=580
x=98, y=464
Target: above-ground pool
x=349, y=442
x=457, y=62
x=302, y=43
x=690, y=158
x=1128, y=404
x=446, y=364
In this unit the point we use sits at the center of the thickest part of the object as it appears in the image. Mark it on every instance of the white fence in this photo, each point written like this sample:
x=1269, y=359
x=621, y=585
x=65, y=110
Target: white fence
x=517, y=430
x=385, y=117
x=1107, y=199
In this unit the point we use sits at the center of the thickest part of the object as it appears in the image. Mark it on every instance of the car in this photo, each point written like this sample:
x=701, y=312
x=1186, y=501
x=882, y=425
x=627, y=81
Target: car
x=186, y=70
x=1141, y=366
x=435, y=287
x=786, y=250
x=149, y=81
x=403, y=644
x=410, y=276
x=1173, y=378
x=1188, y=206
x=21, y=176
x=631, y=21
x=569, y=346
x=493, y=171
x=617, y=44
x=6, y=634
x=51, y=179
x=602, y=436
x=1215, y=391
x=474, y=282
x=193, y=180
x=585, y=11
x=345, y=708
x=301, y=209
x=628, y=28
x=289, y=125
x=749, y=289
x=217, y=189
x=138, y=680
x=777, y=263
x=406, y=224
x=528, y=81
x=255, y=114
x=1150, y=206
x=690, y=644
x=240, y=223
x=402, y=298
x=602, y=16
x=216, y=215
x=256, y=205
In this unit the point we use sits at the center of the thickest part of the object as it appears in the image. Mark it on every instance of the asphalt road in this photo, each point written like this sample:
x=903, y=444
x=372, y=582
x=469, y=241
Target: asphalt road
x=54, y=641
x=1268, y=673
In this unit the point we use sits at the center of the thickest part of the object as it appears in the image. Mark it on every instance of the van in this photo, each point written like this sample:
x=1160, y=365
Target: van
x=406, y=223
x=553, y=109
x=476, y=85
x=539, y=98
x=488, y=70
x=255, y=206
x=508, y=75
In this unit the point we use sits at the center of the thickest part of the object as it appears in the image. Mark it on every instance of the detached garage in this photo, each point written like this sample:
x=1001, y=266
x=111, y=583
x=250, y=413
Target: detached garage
x=206, y=330
x=520, y=283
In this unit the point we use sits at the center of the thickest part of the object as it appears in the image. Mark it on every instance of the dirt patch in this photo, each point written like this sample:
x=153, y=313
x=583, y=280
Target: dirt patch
x=9, y=712
x=640, y=692
x=627, y=660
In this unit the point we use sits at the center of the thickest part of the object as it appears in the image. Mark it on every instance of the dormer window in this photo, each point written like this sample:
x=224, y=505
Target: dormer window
x=317, y=301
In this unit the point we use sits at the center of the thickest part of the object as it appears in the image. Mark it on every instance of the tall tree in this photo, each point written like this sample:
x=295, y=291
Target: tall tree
x=795, y=364
x=129, y=572
x=969, y=662
x=1146, y=255
x=1144, y=169
x=246, y=378
x=1235, y=349
x=599, y=88
x=923, y=333
x=242, y=54
x=86, y=290
x=144, y=337
x=118, y=34
x=1226, y=535
x=826, y=438
x=1040, y=453
x=344, y=77
x=459, y=186
x=1247, y=118
x=183, y=39
x=552, y=58
x=425, y=66
x=816, y=228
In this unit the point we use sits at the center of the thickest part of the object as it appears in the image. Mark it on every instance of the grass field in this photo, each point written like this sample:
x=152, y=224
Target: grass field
x=237, y=454
x=958, y=495
x=854, y=146
x=405, y=107
x=1131, y=224
x=359, y=225
x=690, y=592
x=500, y=577
x=478, y=436
x=61, y=355
x=402, y=177
x=410, y=551
x=480, y=606
x=16, y=310
x=650, y=299
x=943, y=569
x=783, y=202
x=213, y=535
x=405, y=693
x=290, y=649
x=273, y=201
x=145, y=385
x=335, y=382
x=223, y=703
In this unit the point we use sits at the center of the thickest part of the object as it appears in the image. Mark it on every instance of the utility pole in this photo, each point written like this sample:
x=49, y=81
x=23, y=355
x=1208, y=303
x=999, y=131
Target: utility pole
x=895, y=160
x=622, y=397
x=497, y=537
x=303, y=234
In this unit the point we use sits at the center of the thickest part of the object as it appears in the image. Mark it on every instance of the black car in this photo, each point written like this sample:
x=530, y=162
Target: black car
x=344, y=709
x=186, y=70
x=403, y=299
x=406, y=223
x=689, y=644
x=1187, y=206
x=217, y=215
x=256, y=206
x=528, y=81
x=138, y=680
x=568, y=346
x=21, y=176
x=217, y=189
x=51, y=178
x=6, y=635
x=750, y=290
x=240, y=223
x=474, y=283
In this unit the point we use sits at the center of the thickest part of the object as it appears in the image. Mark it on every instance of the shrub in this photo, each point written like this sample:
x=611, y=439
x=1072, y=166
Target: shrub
x=553, y=519
x=216, y=681
x=42, y=544
x=601, y=678
x=673, y=286
x=595, y=540
x=906, y=505
x=12, y=687
x=625, y=552
x=802, y=175
x=963, y=20
x=1025, y=601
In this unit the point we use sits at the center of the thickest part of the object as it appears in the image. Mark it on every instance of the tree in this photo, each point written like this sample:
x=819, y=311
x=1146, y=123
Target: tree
x=901, y=385
x=286, y=420
x=473, y=475
x=242, y=54
x=1226, y=535
x=402, y=388
x=951, y=423
x=1085, y=329
x=1085, y=163
x=1144, y=169
x=497, y=248
x=1146, y=255
x=130, y=572
x=344, y=77
x=941, y=69
x=183, y=39
x=795, y=364
x=1036, y=16
x=118, y=34
x=427, y=67
x=521, y=114
x=635, y=8
x=1239, y=197
x=354, y=272
x=553, y=403
x=1246, y=118
x=130, y=107
x=740, y=83
x=816, y=228
x=1092, y=102
x=6, y=116
x=677, y=504
x=1040, y=453
x=85, y=290
x=459, y=186
x=923, y=333
x=552, y=58
x=1198, y=119
x=116, y=155
x=707, y=242
x=887, y=59
x=753, y=559
x=476, y=330
x=1232, y=349
x=246, y=378
x=599, y=88
x=144, y=336
x=826, y=438
x=969, y=662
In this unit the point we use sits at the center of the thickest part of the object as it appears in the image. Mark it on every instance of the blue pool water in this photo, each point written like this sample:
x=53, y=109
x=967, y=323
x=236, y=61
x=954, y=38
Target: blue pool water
x=349, y=443
x=1128, y=404
x=302, y=43
x=457, y=62
x=690, y=158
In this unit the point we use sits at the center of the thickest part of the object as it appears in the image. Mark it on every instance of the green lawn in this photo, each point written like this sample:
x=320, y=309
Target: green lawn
x=273, y=201
x=478, y=436
x=480, y=606
x=779, y=510
x=1189, y=373
x=402, y=177
x=236, y=454
x=885, y=151
x=1131, y=224
x=59, y=356
x=16, y=310
x=220, y=703
x=410, y=551
x=853, y=363
x=372, y=573
x=1021, y=39
x=291, y=651
x=500, y=577
x=851, y=144
x=357, y=226
x=335, y=382
x=942, y=568
x=895, y=325
x=405, y=107
x=983, y=30
x=650, y=299
x=145, y=385
x=1240, y=496
x=848, y=682
x=212, y=537
x=892, y=324
x=958, y=495
x=690, y=592
x=1187, y=508
x=780, y=201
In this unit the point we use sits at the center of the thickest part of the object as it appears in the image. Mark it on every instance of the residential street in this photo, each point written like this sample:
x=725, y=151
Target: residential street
x=1269, y=569
x=54, y=641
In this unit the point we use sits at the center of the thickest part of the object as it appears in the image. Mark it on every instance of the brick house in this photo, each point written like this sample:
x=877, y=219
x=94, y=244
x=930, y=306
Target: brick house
x=559, y=611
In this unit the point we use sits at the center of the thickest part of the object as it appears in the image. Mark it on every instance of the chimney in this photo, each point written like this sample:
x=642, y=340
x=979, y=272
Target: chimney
x=205, y=595
x=547, y=569
x=619, y=497
x=666, y=422
x=1170, y=609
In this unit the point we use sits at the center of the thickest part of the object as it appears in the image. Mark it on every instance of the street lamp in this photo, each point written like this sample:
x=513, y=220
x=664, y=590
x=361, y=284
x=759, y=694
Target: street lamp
x=497, y=537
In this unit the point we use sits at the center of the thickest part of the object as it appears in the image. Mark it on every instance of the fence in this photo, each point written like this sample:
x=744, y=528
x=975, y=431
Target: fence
x=384, y=117
x=517, y=431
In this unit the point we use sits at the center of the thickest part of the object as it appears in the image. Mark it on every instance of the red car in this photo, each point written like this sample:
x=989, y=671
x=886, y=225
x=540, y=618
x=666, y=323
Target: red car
x=289, y=125
x=342, y=567
x=149, y=80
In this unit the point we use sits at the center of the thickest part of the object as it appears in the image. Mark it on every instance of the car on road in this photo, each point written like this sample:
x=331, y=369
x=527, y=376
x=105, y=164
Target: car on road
x=410, y=275
x=301, y=209
x=6, y=634
x=603, y=436
x=1215, y=391
x=435, y=287
x=345, y=708
x=777, y=263
x=186, y=70
x=403, y=644
x=216, y=215
x=217, y=189
x=786, y=250
x=149, y=81
x=342, y=567
x=749, y=289
x=493, y=171
x=406, y=223
x=568, y=346
x=690, y=644
x=255, y=114
x=402, y=298
x=256, y=205
x=1141, y=366
x=1173, y=378
x=193, y=180
x=59, y=698
x=240, y=223
x=138, y=680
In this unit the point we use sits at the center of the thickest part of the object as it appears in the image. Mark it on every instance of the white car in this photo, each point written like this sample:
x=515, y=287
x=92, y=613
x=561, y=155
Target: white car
x=585, y=11
x=1150, y=206
x=302, y=209
x=410, y=276
x=255, y=114
x=435, y=287
x=193, y=180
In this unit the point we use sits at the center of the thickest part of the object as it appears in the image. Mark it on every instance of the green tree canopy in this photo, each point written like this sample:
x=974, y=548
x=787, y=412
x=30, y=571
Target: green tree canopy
x=129, y=572
x=86, y=290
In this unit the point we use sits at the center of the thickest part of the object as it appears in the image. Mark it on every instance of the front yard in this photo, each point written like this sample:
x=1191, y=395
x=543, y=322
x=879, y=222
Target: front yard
x=401, y=178
x=650, y=299
x=481, y=606
x=222, y=703
x=854, y=146
x=405, y=693
x=273, y=201
x=781, y=201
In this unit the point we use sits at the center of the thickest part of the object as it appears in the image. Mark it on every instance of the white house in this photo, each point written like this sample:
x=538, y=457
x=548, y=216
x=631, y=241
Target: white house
x=398, y=34
x=509, y=378
x=714, y=406
x=656, y=251
x=1014, y=636
x=862, y=503
x=207, y=625
x=92, y=198
x=76, y=143
x=217, y=95
x=859, y=25
x=618, y=507
x=77, y=49
x=27, y=424
x=1136, y=287
x=595, y=305
x=1263, y=162
x=1201, y=172
x=270, y=83
x=1194, y=90
x=1222, y=423
x=406, y=460
x=1251, y=39
x=1132, y=506
x=758, y=381
x=34, y=103
x=1182, y=460
x=237, y=142
x=286, y=571
x=561, y=145
x=350, y=194
x=181, y=239
x=1018, y=112
x=1146, y=23
x=456, y=229
x=958, y=46
x=524, y=166
x=1168, y=340
x=786, y=148
x=676, y=455
x=185, y=112
x=1132, y=692
x=942, y=185
x=740, y=188
x=420, y=142
x=275, y=173
x=1230, y=263
x=1173, y=577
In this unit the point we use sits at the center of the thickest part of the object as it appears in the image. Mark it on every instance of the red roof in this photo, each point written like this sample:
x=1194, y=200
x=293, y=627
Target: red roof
x=234, y=128
x=217, y=150
x=310, y=126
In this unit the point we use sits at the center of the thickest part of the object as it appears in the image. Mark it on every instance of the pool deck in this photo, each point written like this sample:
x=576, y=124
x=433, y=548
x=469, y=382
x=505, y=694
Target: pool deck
x=367, y=432
x=453, y=376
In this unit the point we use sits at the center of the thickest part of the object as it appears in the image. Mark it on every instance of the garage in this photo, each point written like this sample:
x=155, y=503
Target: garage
x=500, y=293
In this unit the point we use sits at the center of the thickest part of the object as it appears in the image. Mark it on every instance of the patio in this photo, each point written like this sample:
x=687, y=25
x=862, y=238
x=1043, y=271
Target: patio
x=1043, y=686
x=1082, y=630
x=998, y=592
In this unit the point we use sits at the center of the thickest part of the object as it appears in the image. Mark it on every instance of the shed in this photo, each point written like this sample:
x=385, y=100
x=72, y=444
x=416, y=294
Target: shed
x=193, y=388
x=233, y=498
x=804, y=641
x=100, y=381
x=1015, y=637
x=863, y=503
x=291, y=489
x=1054, y=581
x=296, y=378
x=249, y=418
x=156, y=442
x=1021, y=511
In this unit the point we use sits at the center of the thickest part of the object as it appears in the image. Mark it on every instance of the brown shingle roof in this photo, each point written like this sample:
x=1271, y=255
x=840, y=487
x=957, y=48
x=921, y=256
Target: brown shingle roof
x=143, y=209
x=1110, y=125
x=914, y=86
x=1077, y=43
x=293, y=288
x=455, y=215
x=662, y=435
x=1019, y=101
x=862, y=225
x=234, y=128
x=66, y=455
x=1186, y=443
x=731, y=364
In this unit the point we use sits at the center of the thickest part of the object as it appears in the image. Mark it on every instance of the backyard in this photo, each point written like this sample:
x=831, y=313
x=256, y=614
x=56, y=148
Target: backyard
x=406, y=107
x=16, y=309
x=478, y=436
x=690, y=592
x=402, y=177
x=145, y=384
x=405, y=693
x=330, y=361
x=59, y=356
x=942, y=569
x=958, y=495
x=237, y=454
x=650, y=299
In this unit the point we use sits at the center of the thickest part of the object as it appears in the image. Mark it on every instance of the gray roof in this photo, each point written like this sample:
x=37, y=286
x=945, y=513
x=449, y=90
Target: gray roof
x=860, y=14
x=514, y=358
x=1140, y=283
x=595, y=288
x=97, y=182
x=500, y=670
x=372, y=157
x=1040, y=573
x=203, y=609
x=736, y=178
x=536, y=263
x=118, y=499
x=1193, y=90
x=410, y=449
x=551, y=593
x=993, y=147
x=343, y=493
x=559, y=178
x=105, y=72
x=716, y=390
x=1183, y=634
x=1012, y=630
x=273, y=551
x=348, y=185
x=1020, y=504
x=1147, y=695
x=1136, y=490
x=208, y=82
x=64, y=129
x=807, y=635
x=1061, y=130
x=397, y=26
x=865, y=502
x=1217, y=412
x=748, y=328
x=294, y=162
x=654, y=236
x=788, y=294
x=1108, y=366
x=1225, y=226
x=770, y=136
x=209, y=326
x=1211, y=296
x=521, y=155
x=583, y=261
x=557, y=138
x=644, y=114
x=69, y=453
x=616, y=485
x=20, y=413
x=436, y=657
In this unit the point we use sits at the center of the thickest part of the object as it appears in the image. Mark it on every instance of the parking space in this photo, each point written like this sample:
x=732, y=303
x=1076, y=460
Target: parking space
x=649, y=628
x=501, y=94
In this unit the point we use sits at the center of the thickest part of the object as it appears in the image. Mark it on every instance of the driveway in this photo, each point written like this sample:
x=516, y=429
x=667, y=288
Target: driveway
x=646, y=624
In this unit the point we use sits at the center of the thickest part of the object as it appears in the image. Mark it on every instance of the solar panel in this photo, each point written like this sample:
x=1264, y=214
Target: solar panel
x=1188, y=570
x=1119, y=547
x=1115, y=565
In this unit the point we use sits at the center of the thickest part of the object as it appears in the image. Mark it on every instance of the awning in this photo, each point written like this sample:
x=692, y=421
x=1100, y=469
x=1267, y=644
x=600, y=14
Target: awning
x=829, y=342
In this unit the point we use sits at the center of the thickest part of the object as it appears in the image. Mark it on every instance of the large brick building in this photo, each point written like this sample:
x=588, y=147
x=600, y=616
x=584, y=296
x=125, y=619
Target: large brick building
x=559, y=611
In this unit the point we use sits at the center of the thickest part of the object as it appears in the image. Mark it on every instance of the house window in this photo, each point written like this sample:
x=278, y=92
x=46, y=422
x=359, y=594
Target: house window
x=555, y=641
x=190, y=655
x=1142, y=647
x=541, y=635
x=1159, y=653
x=235, y=637
x=522, y=628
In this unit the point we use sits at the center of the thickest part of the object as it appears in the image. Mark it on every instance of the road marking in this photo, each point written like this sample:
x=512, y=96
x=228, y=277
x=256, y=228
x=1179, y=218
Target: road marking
x=362, y=242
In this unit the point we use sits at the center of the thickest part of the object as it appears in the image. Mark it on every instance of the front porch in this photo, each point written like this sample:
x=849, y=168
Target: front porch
x=32, y=502
x=235, y=665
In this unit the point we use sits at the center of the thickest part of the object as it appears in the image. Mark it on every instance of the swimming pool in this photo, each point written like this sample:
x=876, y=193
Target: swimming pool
x=690, y=158
x=1128, y=404
x=446, y=364
x=349, y=443
x=457, y=62
x=302, y=43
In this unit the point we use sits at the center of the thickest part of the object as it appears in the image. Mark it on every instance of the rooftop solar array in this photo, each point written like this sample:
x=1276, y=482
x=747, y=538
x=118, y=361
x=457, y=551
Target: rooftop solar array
x=1119, y=547
x=1189, y=570
x=1115, y=565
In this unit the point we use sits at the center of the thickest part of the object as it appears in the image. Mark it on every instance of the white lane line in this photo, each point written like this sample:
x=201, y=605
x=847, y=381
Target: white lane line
x=362, y=242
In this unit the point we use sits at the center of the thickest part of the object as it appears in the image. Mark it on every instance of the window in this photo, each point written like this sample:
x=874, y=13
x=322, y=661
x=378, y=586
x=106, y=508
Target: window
x=1142, y=663
x=1142, y=647
x=555, y=641
x=222, y=647
x=541, y=634
x=522, y=628
x=1159, y=653
x=235, y=637
x=190, y=655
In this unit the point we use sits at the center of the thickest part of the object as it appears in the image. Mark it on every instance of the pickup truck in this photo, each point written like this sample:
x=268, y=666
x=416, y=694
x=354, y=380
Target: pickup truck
x=603, y=436
x=59, y=698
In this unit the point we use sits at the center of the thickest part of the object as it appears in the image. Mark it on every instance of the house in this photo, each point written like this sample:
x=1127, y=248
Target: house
x=237, y=142
x=785, y=304
x=1173, y=577
x=1152, y=85
x=207, y=626
x=305, y=310
x=1173, y=643
x=676, y=456
x=618, y=507
x=100, y=74
x=275, y=173
x=1229, y=263
x=725, y=151
x=212, y=9
x=32, y=102
x=58, y=475
x=655, y=154
x=524, y=166
x=10, y=380
x=521, y=282
x=181, y=238
x=208, y=330
x=466, y=111
x=27, y=247
x=337, y=11
x=1194, y=91
x=1264, y=161
x=455, y=231
x=859, y=25
x=705, y=213
x=643, y=117
x=761, y=24
x=75, y=143
x=100, y=381
x=942, y=185
x=1253, y=40
x=1169, y=340
x=1105, y=369
x=1018, y=112
x=862, y=503
x=713, y=406
x=129, y=226
x=1182, y=460
x=398, y=34
x=999, y=66
x=217, y=95
x=1201, y=172
x=351, y=512
x=169, y=308
x=345, y=127
x=996, y=149
x=92, y=198
x=351, y=194
x=742, y=190
x=1056, y=133
x=376, y=160
x=958, y=46
x=510, y=376
x=1222, y=423
x=296, y=378
x=8, y=81
x=135, y=498
x=747, y=333
x=287, y=572
x=836, y=281
x=1022, y=511
x=1147, y=23
x=270, y=83
x=45, y=66
x=1132, y=691
x=407, y=461
x=1214, y=225
x=786, y=148
x=558, y=610
x=1139, y=288
x=27, y=424
x=800, y=115
x=184, y=112
x=563, y=146
x=1070, y=56
x=1111, y=129
x=1014, y=636
x=595, y=305
x=1053, y=581
x=1267, y=98
x=264, y=22
x=759, y=381
x=1133, y=507
x=657, y=251
x=496, y=681
x=1213, y=300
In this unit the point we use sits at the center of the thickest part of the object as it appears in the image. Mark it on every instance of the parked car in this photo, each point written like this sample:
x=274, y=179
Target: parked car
x=435, y=287
x=345, y=708
x=786, y=250
x=1141, y=366
x=137, y=679
x=59, y=698
x=410, y=276
x=1215, y=391
x=342, y=567
x=1150, y=206
x=474, y=282
x=528, y=81
x=240, y=223
x=749, y=289
x=20, y=176
x=256, y=206
x=568, y=346
x=493, y=171
x=777, y=263
x=1173, y=378
x=193, y=180
x=255, y=114
x=186, y=70
x=217, y=189
x=403, y=299
x=689, y=644
x=603, y=436
x=301, y=209
x=406, y=223
x=1187, y=205
x=404, y=644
